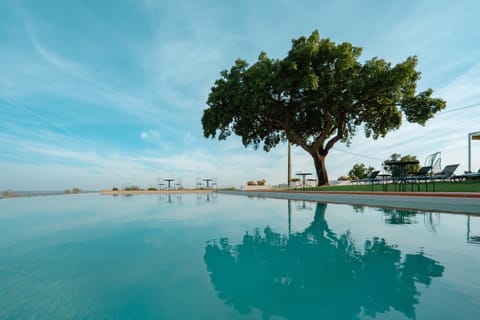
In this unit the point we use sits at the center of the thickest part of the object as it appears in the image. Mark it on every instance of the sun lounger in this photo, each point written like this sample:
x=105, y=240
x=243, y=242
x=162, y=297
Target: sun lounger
x=468, y=176
x=423, y=175
x=446, y=173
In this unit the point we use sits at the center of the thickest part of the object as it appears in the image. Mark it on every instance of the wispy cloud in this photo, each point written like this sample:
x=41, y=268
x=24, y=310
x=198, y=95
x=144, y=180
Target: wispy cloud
x=463, y=90
x=149, y=135
x=110, y=102
x=71, y=79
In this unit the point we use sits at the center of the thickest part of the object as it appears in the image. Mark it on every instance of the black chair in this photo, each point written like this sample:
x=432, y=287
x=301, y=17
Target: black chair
x=422, y=175
x=371, y=179
x=214, y=183
x=178, y=184
x=397, y=178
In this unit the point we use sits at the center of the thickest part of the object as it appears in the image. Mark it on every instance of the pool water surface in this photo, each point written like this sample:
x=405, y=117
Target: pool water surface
x=214, y=256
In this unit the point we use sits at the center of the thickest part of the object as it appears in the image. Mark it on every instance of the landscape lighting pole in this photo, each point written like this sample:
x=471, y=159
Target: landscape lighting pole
x=471, y=136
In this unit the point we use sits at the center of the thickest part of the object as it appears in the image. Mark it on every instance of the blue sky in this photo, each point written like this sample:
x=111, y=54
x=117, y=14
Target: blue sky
x=95, y=94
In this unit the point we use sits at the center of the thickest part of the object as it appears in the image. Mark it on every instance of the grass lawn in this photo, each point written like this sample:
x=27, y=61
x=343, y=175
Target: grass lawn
x=446, y=186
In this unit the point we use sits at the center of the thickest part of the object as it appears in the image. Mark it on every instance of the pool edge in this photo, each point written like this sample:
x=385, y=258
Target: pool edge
x=448, y=202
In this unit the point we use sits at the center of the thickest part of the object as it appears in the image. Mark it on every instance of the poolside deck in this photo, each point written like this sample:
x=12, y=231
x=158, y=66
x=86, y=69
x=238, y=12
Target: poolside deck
x=455, y=202
x=133, y=192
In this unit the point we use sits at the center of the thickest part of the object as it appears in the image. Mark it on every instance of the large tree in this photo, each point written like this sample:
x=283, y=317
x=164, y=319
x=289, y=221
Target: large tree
x=318, y=95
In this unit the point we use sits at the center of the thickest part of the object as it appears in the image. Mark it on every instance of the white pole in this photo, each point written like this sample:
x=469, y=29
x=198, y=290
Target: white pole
x=471, y=136
x=469, y=152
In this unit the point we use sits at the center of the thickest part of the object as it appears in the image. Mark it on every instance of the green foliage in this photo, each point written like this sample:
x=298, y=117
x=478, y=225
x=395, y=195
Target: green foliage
x=114, y=189
x=360, y=171
x=318, y=95
x=133, y=188
x=74, y=190
x=395, y=170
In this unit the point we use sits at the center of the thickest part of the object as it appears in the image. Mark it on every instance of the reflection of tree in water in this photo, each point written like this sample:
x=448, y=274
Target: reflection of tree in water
x=398, y=216
x=316, y=274
x=392, y=216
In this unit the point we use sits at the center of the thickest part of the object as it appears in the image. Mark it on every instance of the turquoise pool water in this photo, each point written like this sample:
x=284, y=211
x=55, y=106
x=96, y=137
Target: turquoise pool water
x=230, y=257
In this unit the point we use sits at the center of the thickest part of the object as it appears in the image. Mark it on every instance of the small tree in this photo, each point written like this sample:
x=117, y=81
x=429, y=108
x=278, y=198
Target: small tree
x=360, y=171
x=318, y=95
x=395, y=170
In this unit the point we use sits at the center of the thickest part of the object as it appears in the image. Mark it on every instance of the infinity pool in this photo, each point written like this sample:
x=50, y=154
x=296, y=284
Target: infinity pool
x=210, y=256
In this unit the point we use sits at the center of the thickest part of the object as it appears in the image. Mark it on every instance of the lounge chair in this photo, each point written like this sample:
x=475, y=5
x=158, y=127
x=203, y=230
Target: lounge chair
x=446, y=173
x=422, y=175
x=467, y=176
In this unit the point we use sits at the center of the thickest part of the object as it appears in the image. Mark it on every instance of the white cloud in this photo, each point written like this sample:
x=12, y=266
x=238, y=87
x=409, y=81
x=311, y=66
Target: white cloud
x=178, y=62
x=149, y=135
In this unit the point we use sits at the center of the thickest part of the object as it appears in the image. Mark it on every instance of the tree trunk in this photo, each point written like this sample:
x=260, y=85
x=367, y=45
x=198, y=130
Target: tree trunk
x=321, y=169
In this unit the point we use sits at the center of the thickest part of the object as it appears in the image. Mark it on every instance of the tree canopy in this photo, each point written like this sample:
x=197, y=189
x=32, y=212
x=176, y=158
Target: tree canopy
x=360, y=171
x=395, y=170
x=318, y=95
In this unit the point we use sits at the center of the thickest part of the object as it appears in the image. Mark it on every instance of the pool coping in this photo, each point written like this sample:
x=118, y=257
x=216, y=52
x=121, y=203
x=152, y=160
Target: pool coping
x=449, y=202
x=136, y=192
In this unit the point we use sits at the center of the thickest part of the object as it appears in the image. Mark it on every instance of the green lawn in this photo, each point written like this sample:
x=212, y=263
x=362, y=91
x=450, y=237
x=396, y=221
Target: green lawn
x=446, y=186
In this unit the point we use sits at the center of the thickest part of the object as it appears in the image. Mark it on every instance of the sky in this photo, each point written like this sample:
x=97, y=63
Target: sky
x=102, y=94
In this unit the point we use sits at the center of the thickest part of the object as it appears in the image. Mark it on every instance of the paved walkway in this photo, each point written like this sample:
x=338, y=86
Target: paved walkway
x=453, y=202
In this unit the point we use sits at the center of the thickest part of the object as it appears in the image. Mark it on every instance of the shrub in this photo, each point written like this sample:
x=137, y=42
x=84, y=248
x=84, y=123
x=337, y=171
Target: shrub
x=8, y=194
x=261, y=182
x=133, y=188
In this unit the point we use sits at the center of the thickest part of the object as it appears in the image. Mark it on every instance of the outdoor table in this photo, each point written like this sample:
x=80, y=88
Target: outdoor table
x=207, y=181
x=303, y=175
x=168, y=182
x=403, y=175
x=384, y=178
